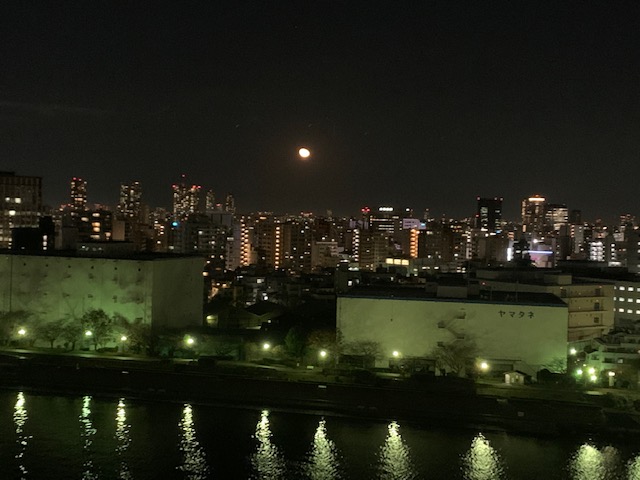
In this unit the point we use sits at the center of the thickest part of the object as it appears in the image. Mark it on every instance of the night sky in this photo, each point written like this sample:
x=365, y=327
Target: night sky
x=421, y=104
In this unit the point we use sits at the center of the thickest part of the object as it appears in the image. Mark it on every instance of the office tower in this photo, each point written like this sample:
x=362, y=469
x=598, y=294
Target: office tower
x=557, y=217
x=533, y=215
x=210, y=202
x=20, y=204
x=130, y=204
x=489, y=214
x=78, y=195
x=185, y=199
x=230, y=204
x=374, y=248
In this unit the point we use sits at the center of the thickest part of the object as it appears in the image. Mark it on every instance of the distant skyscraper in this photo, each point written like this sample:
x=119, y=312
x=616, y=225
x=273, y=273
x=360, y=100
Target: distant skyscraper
x=20, y=204
x=78, y=195
x=210, y=202
x=489, y=214
x=185, y=199
x=557, y=217
x=230, y=204
x=130, y=204
x=533, y=215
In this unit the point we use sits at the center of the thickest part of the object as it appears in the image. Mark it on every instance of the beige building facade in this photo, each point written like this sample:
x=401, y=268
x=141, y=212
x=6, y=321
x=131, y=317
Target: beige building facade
x=526, y=335
x=161, y=291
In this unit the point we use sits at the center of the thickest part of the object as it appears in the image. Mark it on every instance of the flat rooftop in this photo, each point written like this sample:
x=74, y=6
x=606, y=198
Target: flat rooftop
x=141, y=256
x=421, y=294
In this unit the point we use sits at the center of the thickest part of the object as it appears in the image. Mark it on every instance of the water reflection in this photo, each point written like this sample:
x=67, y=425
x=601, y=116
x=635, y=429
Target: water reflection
x=19, y=420
x=395, y=459
x=323, y=459
x=87, y=433
x=195, y=461
x=634, y=468
x=122, y=441
x=267, y=462
x=482, y=462
x=591, y=463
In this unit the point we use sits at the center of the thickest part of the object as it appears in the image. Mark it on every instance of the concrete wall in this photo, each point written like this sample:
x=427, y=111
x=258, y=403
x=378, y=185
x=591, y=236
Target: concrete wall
x=531, y=335
x=177, y=292
x=159, y=291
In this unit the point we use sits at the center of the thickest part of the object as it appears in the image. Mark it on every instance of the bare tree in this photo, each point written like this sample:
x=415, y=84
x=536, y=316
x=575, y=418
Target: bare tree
x=456, y=356
x=368, y=350
x=99, y=324
x=72, y=332
x=50, y=331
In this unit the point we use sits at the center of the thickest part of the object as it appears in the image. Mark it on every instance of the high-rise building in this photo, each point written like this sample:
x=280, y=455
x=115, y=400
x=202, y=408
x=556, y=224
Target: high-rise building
x=186, y=199
x=489, y=214
x=210, y=202
x=130, y=204
x=78, y=195
x=230, y=204
x=557, y=217
x=20, y=204
x=533, y=215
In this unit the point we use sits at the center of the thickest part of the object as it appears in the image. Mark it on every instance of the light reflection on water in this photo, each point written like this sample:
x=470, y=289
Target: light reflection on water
x=19, y=420
x=267, y=462
x=302, y=447
x=122, y=441
x=591, y=463
x=395, y=458
x=194, y=458
x=322, y=463
x=633, y=468
x=482, y=462
x=87, y=433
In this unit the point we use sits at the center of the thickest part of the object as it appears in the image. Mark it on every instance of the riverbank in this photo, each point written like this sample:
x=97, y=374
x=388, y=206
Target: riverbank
x=487, y=407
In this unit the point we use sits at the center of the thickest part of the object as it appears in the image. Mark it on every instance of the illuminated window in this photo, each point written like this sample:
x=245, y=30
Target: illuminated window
x=630, y=289
x=621, y=310
x=629, y=311
x=622, y=299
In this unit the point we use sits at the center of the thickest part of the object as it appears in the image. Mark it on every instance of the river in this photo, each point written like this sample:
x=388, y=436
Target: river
x=53, y=437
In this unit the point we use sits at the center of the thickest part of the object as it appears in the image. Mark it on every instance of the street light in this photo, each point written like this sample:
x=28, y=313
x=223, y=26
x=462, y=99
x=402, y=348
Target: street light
x=190, y=341
x=88, y=333
x=266, y=346
x=22, y=332
x=484, y=366
x=573, y=351
x=323, y=353
x=396, y=353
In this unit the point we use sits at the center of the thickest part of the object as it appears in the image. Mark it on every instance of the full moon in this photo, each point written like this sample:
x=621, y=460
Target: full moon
x=304, y=153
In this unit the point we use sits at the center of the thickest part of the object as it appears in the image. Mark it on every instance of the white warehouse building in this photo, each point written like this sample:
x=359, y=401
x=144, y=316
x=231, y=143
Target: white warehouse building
x=159, y=290
x=525, y=332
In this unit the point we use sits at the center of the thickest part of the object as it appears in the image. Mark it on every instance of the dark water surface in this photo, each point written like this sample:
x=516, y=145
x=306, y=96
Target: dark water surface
x=66, y=437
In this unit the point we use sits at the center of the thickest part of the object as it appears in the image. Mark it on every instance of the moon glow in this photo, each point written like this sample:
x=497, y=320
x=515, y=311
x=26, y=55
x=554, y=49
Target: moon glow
x=304, y=153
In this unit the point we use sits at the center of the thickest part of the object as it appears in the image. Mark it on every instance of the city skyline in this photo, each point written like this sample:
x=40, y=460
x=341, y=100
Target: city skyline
x=425, y=105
